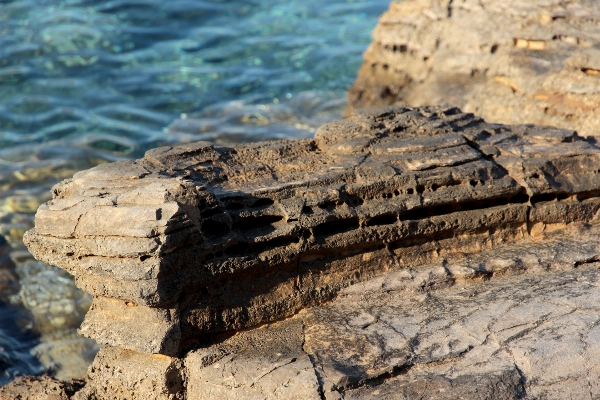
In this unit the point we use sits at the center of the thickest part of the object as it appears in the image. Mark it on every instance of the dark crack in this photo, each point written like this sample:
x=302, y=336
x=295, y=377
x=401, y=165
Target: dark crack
x=313, y=361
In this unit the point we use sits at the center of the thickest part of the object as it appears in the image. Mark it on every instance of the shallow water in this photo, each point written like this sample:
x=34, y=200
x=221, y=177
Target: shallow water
x=84, y=82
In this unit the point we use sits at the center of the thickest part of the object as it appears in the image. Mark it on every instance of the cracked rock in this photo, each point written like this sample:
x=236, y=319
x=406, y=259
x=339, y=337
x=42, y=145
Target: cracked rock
x=403, y=252
x=199, y=240
x=522, y=333
x=266, y=363
x=509, y=61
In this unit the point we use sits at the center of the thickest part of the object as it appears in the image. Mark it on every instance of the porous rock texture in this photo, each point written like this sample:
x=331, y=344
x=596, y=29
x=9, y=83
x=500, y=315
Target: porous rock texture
x=40, y=388
x=402, y=253
x=193, y=241
x=519, y=321
x=511, y=61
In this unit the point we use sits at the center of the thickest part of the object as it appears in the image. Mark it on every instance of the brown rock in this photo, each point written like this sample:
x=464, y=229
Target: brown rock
x=39, y=388
x=267, y=363
x=514, y=322
x=527, y=333
x=193, y=241
x=509, y=61
x=518, y=321
x=125, y=374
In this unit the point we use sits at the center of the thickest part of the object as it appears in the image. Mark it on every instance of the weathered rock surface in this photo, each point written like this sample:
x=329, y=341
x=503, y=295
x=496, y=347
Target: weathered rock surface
x=125, y=374
x=40, y=388
x=529, y=333
x=507, y=61
x=192, y=241
x=516, y=322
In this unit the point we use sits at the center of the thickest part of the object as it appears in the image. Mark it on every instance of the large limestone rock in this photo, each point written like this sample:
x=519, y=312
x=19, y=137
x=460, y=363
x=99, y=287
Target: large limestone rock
x=508, y=61
x=402, y=253
x=194, y=241
x=516, y=322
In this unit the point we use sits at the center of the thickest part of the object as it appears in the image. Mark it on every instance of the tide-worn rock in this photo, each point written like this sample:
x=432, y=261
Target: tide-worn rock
x=125, y=374
x=515, y=322
x=195, y=240
x=267, y=363
x=510, y=61
x=527, y=335
x=40, y=388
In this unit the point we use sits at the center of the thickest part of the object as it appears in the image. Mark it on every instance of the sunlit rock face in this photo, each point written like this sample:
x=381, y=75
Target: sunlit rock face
x=198, y=240
x=506, y=61
x=402, y=252
x=512, y=322
x=84, y=83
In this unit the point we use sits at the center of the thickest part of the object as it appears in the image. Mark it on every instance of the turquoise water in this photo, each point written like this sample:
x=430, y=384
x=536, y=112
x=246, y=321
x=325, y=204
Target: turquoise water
x=84, y=82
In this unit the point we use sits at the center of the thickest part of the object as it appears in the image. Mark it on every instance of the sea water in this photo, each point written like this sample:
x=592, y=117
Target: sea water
x=84, y=82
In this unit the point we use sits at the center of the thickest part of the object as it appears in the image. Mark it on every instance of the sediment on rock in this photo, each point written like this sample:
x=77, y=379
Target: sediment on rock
x=509, y=61
x=197, y=240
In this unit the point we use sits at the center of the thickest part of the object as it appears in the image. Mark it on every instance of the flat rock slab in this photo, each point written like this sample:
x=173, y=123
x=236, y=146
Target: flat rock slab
x=533, y=334
x=529, y=332
x=198, y=240
x=512, y=62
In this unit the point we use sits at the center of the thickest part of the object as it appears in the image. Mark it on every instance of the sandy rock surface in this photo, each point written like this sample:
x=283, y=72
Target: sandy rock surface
x=517, y=322
x=507, y=61
x=40, y=388
x=402, y=252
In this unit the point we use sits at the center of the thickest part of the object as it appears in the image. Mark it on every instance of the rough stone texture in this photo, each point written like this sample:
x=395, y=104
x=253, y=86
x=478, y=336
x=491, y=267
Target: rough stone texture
x=507, y=61
x=534, y=333
x=516, y=322
x=196, y=240
x=266, y=363
x=125, y=374
x=39, y=388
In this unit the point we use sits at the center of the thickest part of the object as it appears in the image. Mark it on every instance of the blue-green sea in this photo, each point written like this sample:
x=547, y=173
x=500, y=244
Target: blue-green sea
x=83, y=82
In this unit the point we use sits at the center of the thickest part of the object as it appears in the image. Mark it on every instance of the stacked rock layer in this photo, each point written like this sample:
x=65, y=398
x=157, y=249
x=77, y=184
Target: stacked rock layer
x=518, y=321
x=508, y=61
x=194, y=241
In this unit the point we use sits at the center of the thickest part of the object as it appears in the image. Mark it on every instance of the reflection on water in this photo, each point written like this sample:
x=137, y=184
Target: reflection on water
x=84, y=82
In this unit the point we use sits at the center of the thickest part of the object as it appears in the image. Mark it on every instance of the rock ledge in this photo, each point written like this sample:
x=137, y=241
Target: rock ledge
x=401, y=252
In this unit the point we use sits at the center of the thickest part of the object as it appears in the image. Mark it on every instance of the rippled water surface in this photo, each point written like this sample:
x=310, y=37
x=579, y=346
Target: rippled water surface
x=84, y=82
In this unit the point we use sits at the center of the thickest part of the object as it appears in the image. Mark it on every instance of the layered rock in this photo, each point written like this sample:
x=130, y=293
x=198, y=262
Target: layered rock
x=194, y=241
x=507, y=61
x=40, y=387
x=433, y=332
x=514, y=322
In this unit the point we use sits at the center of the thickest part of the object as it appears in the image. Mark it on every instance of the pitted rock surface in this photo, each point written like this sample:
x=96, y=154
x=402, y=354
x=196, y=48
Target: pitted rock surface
x=507, y=61
x=40, y=388
x=197, y=240
x=526, y=328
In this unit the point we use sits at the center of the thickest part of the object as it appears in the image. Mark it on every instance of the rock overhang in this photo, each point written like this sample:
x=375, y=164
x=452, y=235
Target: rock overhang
x=200, y=239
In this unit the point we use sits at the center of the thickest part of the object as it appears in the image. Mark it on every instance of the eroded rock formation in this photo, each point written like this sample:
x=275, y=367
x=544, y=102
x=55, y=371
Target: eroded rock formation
x=40, y=388
x=506, y=61
x=197, y=240
x=401, y=252
x=515, y=322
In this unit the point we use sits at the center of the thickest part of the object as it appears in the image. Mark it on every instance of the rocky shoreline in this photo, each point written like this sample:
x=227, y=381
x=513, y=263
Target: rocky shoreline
x=527, y=332
x=221, y=239
x=404, y=252
x=469, y=245
x=514, y=322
